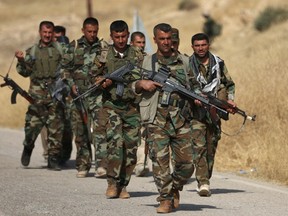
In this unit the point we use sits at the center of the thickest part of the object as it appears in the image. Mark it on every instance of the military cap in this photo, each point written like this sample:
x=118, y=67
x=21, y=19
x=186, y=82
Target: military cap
x=175, y=34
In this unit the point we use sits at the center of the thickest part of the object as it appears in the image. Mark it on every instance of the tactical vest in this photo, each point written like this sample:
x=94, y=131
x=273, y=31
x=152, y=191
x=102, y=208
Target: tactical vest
x=114, y=61
x=46, y=61
x=178, y=73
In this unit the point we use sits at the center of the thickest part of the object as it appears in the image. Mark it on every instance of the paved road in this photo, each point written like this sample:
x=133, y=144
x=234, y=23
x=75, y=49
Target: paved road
x=36, y=191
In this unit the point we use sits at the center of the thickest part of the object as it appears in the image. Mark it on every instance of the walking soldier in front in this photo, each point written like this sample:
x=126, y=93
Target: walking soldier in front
x=168, y=127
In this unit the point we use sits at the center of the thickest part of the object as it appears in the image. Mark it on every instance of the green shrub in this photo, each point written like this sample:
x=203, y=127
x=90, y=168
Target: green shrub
x=187, y=5
x=270, y=16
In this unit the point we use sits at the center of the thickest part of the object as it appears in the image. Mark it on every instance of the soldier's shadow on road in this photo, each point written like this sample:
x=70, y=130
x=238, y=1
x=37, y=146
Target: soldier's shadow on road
x=142, y=194
x=193, y=207
x=190, y=207
x=222, y=191
x=216, y=190
x=225, y=191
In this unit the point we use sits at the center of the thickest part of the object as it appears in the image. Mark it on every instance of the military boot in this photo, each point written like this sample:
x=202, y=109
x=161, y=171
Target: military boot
x=204, y=190
x=165, y=206
x=53, y=163
x=26, y=155
x=176, y=198
x=112, y=191
x=124, y=193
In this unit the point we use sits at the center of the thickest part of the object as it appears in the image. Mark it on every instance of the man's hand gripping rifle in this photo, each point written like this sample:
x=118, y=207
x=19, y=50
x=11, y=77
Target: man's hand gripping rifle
x=116, y=76
x=208, y=101
x=16, y=89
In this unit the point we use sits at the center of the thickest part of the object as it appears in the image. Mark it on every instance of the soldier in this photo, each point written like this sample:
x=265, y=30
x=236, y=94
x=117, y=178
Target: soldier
x=141, y=168
x=86, y=65
x=214, y=78
x=59, y=34
x=40, y=64
x=59, y=31
x=138, y=40
x=175, y=39
x=123, y=122
x=168, y=128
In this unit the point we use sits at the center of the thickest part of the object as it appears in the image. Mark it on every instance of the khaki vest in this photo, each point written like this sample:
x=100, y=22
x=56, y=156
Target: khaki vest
x=149, y=103
x=46, y=61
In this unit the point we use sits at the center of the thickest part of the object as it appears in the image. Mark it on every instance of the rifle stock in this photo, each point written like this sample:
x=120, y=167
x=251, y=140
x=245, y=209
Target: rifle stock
x=16, y=89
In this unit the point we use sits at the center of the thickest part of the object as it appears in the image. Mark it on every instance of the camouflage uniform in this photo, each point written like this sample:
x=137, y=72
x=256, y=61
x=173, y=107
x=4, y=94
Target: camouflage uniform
x=122, y=120
x=100, y=143
x=40, y=65
x=82, y=72
x=206, y=132
x=168, y=129
x=67, y=138
x=142, y=165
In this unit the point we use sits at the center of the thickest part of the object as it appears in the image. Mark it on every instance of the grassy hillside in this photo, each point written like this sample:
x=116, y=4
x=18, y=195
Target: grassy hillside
x=257, y=62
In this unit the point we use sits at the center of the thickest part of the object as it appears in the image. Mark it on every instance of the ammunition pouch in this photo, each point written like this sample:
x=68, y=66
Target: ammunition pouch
x=172, y=102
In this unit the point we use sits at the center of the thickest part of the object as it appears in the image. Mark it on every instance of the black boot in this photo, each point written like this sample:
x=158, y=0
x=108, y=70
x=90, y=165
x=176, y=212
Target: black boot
x=53, y=163
x=26, y=154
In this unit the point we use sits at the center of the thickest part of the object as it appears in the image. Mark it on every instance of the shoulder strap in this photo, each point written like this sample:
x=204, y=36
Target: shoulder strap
x=104, y=51
x=185, y=60
x=154, y=60
x=33, y=51
x=57, y=46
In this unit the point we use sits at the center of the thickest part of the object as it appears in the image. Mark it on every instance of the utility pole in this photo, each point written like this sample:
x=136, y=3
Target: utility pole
x=89, y=8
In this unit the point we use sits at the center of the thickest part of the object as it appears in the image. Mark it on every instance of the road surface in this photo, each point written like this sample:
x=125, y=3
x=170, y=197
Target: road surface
x=36, y=191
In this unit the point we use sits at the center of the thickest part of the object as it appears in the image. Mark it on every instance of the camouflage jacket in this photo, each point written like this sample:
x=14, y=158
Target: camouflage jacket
x=42, y=65
x=213, y=78
x=86, y=62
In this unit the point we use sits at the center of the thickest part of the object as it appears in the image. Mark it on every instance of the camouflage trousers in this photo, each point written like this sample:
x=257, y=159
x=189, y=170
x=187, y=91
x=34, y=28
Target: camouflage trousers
x=161, y=141
x=51, y=116
x=142, y=158
x=205, y=141
x=67, y=141
x=123, y=137
x=82, y=134
x=100, y=120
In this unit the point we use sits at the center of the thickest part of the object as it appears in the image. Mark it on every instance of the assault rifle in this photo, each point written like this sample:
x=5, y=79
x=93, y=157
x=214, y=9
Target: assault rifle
x=16, y=89
x=209, y=101
x=116, y=76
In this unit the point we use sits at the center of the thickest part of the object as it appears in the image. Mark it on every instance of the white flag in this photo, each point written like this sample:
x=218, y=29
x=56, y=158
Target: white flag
x=138, y=25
